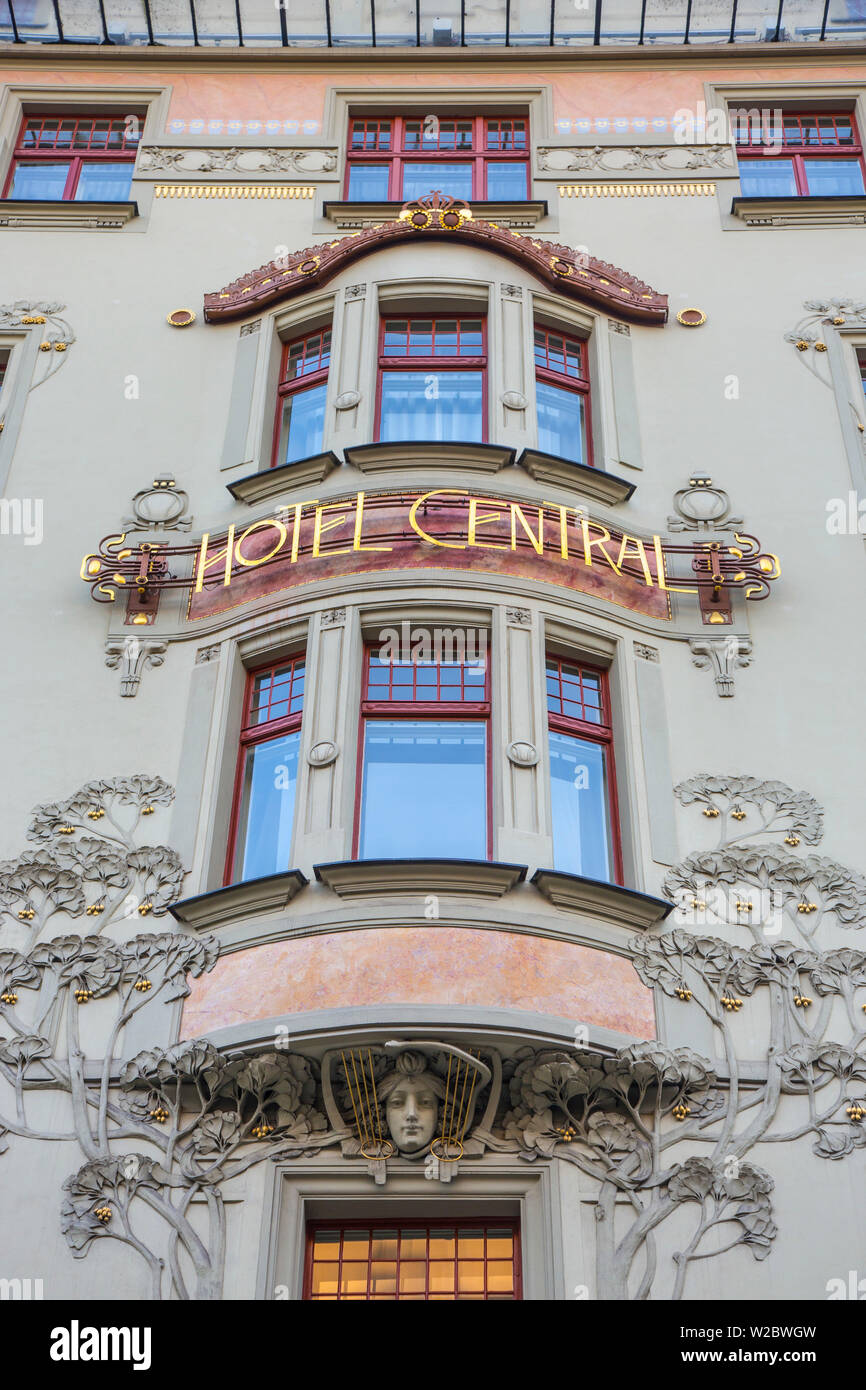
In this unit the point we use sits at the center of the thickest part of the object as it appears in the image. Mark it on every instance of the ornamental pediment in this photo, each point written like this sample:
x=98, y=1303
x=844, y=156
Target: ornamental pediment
x=569, y=272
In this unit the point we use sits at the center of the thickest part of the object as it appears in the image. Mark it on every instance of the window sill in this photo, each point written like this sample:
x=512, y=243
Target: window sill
x=271, y=482
x=846, y=211
x=370, y=878
x=357, y=216
x=608, y=902
x=590, y=482
x=410, y=453
x=65, y=216
x=239, y=900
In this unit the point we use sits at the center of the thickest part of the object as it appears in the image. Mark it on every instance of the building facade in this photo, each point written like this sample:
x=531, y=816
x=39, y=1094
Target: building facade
x=431, y=843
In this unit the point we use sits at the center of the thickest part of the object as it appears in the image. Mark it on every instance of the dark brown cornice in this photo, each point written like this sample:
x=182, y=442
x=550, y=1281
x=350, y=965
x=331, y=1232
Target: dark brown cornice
x=576, y=276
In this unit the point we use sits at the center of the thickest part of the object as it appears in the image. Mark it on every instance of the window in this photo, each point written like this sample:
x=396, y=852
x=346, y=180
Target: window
x=424, y=783
x=861, y=365
x=300, y=423
x=583, y=794
x=267, y=774
x=5, y=354
x=562, y=395
x=811, y=155
x=400, y=158
x=74, y=158
x=432, y=379
x=429, y=1260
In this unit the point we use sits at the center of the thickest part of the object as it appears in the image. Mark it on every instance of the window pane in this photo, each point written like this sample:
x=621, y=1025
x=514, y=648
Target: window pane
x=104, y=183
x=560, y=422
x=303, y=424
x=578, y=784
x=424, y=790
x=432, y=405
x=830, y=178
x=453, y=179
x=769, y=178
x=506, y=181
x=368, y=183
x=267, y=808
x=39, y=181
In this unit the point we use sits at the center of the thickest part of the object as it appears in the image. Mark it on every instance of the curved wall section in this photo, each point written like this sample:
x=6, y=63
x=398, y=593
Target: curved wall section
x=421, y=965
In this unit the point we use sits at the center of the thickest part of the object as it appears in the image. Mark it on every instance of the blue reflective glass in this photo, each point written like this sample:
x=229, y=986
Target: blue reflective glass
x=368, y=183
x=767, y=178
x=506, y=181
x=833, y=178
x=453, y=179
x=578, y=784
x=39, y=181
x=424, y=791
x=560, y=422
x=303, y=424
x=432, y=405
x=104, y=183
x=267, y=808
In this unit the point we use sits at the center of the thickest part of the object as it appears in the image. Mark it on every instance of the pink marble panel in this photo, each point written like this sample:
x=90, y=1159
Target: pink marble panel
x=469, y=966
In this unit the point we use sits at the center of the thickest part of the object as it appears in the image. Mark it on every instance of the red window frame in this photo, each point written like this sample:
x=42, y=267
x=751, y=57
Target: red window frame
x=53, y=153
x=402, y=1224
x=5, y=357
x=861, y=366
x=440, y=364
x=253, y=733
x=793, y=146
x=601, y=733
x=414, y=709
x=290, y=386
x=387, y=139
x=578, y=382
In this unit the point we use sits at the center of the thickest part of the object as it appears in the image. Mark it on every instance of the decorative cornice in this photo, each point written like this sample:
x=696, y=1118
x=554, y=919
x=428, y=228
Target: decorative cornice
x=607, y=902
x=383, y=457
x=67, y=216
x=273, y=482
x=370, y=878
x=844, y=211
x=234, y=159
x=239, y=901
x=636, y=159
x=357, y=216
x=578, y=477
x=572, y=274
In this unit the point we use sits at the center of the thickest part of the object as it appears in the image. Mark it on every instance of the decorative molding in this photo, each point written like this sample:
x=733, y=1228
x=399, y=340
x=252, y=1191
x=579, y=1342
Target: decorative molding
x=721, y=655
x=702, y=506
x=239, y=901
x=514, y=400
x=355, y=292
x=847, y=211
x=522, y=753
x=646, y=653
x=233, y=190
x=332, y=617
x=134, y=656
x=423, y=454
x=247, y=329
x=822, y=317
x=577, y=477
x=606, y=902
x=636, y=159
x=573, y=274
x=518, y=617
x=323, y=753
x=347, y=400
x=42, y=317
x=636, y=190
x=205, y=654
x=276, y=482
x=235, y=159
x=160, y=507
x=65, y=216
x=356, y=216
x=616, y=327
x=512, y=291
x=776, y=805
x=356, y=879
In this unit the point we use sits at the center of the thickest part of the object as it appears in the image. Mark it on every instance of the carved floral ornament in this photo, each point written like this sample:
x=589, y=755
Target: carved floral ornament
x=573, y=274
x=658, y=1129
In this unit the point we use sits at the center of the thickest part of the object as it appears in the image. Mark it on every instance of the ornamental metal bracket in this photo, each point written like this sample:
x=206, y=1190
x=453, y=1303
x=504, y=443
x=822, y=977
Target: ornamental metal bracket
x=722, y=655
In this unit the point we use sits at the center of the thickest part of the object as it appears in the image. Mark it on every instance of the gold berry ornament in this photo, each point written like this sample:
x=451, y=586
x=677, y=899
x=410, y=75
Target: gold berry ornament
x=681, y=1111
x=744, y=906
x=160, y=1115
x=262, y=1130
x=148, y=810
x=103, y=1214
x=711, y=812
x=142, y=986
x=802, y=1001
x=738, y=813
x=66, y=830
x=805, y=906
x=144, y=909
x=9, y=997
x=683, y=992
x=792, y=839
x=26, y=914
x=83, y=995
x=855, y=1111
x=731, y=1003
x=95, y=909
x=96, y=814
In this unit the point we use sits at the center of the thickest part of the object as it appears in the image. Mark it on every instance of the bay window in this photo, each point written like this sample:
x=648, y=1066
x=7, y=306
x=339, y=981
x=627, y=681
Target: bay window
x=303, y=386
x=562, y=395
x=429, y=1260
x=583, y=795
x=424, y=777
x=74, y=158
x=432, y=379
x=264, y=805
x=399, y=158
x=815, y=154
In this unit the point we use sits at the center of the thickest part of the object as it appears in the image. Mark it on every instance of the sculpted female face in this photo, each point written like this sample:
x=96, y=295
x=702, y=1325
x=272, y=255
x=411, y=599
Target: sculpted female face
x=412, y=1110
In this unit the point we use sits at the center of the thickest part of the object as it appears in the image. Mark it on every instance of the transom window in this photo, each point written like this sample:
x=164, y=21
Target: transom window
x=264, y=803
x=810, y=154
x=74, y=158
x=424, y=779
x=562, y=395
x=303, y=387
x=417, y=1260
x=403, y=157
x=432, y=379
x=582, y=780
